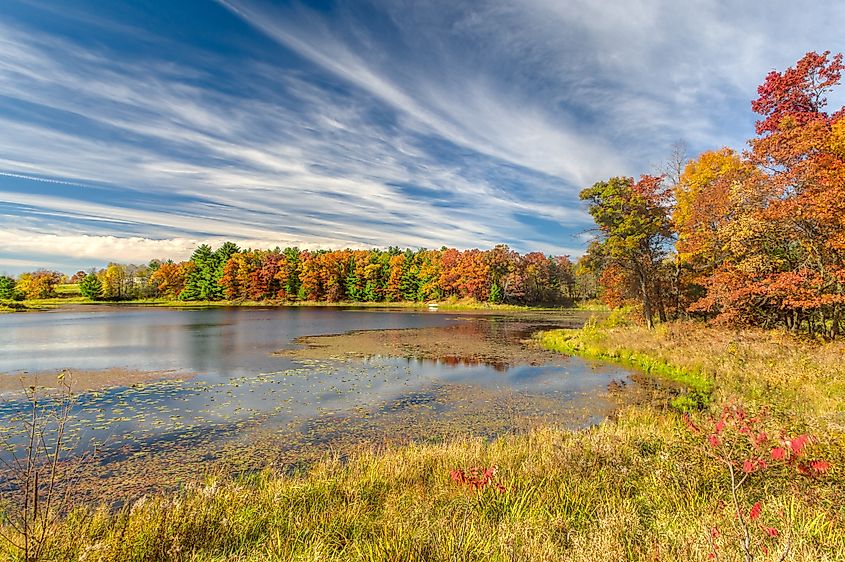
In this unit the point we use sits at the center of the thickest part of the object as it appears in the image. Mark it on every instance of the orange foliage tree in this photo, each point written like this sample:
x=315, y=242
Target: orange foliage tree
x=760, y=236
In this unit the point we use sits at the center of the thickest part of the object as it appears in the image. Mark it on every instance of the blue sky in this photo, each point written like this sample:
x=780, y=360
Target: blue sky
x=136, y=129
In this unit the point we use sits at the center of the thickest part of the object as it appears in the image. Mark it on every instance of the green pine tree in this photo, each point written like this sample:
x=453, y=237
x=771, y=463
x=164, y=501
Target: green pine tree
x=352, y=283
x=495, y=293
x=196, y=285
x=91, y=287
x=7, y=287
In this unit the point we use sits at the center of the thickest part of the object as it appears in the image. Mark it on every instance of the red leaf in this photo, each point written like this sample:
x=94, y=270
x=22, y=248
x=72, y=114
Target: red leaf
x=820, y=467
x=748, y=467
x=797, y=444
x=778, y=453
x=771, y=531
x=714, y=441
x=755, y=512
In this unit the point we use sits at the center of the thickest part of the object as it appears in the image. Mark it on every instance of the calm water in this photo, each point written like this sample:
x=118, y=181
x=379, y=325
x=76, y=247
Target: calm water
x=238, y=387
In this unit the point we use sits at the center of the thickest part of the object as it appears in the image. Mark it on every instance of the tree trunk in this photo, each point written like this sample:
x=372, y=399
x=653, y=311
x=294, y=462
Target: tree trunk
x=677, y=280
x=661, y=308
x=647, y=313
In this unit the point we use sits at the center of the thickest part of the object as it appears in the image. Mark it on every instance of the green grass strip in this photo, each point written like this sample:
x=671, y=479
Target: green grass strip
x=699, y=385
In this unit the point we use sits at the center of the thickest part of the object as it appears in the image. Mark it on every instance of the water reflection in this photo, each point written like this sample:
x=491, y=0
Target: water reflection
x=242, y=394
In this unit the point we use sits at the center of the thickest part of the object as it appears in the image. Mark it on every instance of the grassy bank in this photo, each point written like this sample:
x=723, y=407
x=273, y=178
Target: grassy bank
x=696, y=383
x=796, y=380
x=641, y=486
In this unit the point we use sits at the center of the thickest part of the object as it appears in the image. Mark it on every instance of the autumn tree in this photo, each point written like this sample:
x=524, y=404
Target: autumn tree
x=501, y=263
x=310, y=278
x=39, y=284
x=764, y=234
x=168, y=280
x=565, y=277
x=800, y=148
x=634, y=230
x=288, y=273
x=429, y=275
x=537, y=273
x=114, y=280
x=393, y=291
x=713, y=198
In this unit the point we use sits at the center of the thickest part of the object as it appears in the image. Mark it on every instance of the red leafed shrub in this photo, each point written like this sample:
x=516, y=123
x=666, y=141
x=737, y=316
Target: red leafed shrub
x=738, y=441
x=477, y=478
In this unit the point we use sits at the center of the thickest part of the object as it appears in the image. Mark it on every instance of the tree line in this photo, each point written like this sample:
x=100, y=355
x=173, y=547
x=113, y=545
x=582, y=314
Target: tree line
x=751, y=238
x=498, y=275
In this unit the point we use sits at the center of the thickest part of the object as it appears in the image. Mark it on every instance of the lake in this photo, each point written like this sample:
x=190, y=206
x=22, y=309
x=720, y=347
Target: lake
x=227, y=394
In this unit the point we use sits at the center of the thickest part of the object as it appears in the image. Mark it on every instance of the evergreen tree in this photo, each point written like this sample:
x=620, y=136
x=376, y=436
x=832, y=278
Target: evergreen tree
x=352, y=283
x=291, y=282
x=370, y=292
x=7, y=287
x=90, y=287
x=495, y=293
x=410, y=283
x=199, y=278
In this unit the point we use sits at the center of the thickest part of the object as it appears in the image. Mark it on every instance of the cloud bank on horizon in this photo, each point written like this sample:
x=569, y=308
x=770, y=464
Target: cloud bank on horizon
x=135, y=130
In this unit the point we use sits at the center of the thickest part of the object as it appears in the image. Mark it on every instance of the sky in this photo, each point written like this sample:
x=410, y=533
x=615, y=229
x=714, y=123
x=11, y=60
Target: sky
x=132, y=130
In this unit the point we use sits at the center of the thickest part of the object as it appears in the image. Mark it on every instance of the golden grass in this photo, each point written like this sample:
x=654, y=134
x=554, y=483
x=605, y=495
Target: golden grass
x=633, y=489
x=800, y=381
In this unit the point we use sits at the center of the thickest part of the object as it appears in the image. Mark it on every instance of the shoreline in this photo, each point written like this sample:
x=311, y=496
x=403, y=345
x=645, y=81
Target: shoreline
x=44, y=305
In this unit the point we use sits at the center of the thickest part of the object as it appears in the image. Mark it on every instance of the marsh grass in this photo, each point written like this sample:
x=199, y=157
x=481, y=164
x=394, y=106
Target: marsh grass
x=801, y=382
x=631, y=489
x=639, y=486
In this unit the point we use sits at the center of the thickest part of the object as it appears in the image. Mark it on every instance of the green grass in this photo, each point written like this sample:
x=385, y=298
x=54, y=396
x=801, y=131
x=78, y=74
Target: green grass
x=592, y=343
x=796, y=379
x=639, y=486
x=68, y=290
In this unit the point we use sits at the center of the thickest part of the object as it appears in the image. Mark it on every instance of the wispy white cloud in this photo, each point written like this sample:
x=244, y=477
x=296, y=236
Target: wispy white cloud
x=435, y=123
x=128, y=249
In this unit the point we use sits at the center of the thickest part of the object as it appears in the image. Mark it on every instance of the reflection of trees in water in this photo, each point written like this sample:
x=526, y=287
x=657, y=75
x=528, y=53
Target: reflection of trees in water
x=455, y=361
